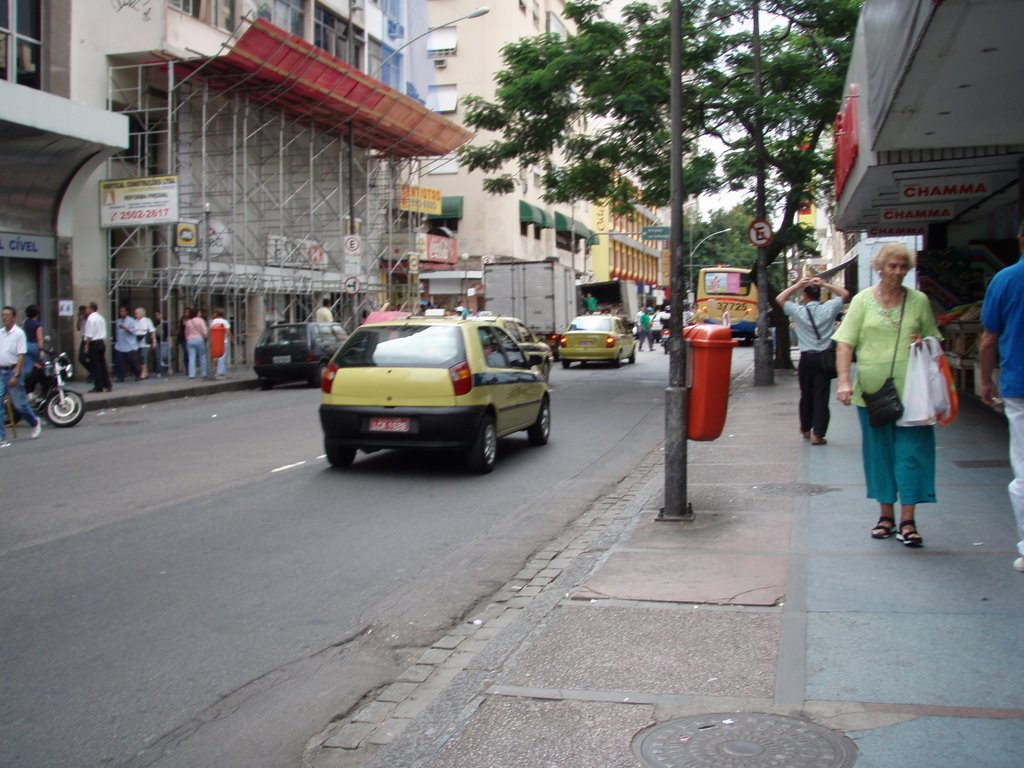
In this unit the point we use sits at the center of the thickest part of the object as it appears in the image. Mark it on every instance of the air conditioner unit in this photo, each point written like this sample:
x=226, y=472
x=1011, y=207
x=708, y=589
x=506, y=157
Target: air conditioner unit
x=440, y=63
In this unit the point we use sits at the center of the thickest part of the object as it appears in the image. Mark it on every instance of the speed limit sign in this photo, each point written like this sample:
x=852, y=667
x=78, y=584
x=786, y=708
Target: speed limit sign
x=760, y=233
x=351, y=285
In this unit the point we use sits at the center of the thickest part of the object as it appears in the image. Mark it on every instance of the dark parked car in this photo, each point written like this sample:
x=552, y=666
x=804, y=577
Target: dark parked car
x=294, y=351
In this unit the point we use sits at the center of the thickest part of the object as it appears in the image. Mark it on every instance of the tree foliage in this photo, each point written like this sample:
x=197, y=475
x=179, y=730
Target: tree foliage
x=591, y=111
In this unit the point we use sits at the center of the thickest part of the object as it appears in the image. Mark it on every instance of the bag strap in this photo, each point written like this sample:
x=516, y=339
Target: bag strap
x=903, y=304
x=814, y=325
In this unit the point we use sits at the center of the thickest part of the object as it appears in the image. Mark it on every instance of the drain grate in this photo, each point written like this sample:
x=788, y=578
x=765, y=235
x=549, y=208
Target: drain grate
x=743, y=740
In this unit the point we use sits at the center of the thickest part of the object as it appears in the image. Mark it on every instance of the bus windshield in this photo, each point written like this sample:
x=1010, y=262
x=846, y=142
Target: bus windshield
x=727, y=296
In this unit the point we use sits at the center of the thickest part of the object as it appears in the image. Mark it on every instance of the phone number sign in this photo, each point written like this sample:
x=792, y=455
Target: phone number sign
x=139, y=202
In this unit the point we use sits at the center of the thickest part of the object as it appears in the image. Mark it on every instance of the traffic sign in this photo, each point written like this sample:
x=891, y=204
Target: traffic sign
x=760, y=233
x=353, y=245
x=655, y=233
x=351, y=285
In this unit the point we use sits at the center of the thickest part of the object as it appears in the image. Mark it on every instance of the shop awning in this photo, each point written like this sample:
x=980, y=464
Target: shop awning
x=534, y=215
x=451, y=208
x=273, y=67
x=566, y=224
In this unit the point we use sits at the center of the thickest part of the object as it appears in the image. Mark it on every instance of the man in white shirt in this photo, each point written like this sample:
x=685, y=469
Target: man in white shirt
x=13, y=347
x=95, y=334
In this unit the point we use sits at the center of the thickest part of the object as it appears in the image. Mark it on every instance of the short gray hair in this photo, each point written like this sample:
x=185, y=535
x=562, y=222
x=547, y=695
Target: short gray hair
x=888, y=251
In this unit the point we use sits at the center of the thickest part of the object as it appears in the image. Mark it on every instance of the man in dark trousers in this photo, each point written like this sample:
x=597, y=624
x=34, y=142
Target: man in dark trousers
x=95, y=333
x=814, y=323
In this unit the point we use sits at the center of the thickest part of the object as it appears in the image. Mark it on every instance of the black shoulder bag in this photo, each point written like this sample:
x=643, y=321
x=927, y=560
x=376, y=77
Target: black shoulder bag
x=828, y=356
x=884, y=406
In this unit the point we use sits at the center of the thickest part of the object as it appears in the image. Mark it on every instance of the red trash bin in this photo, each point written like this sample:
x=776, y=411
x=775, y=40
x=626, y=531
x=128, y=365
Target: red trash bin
x=709, y=394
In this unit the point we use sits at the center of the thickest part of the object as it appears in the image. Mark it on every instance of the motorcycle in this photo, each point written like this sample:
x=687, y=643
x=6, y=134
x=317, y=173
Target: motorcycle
x=48, y=397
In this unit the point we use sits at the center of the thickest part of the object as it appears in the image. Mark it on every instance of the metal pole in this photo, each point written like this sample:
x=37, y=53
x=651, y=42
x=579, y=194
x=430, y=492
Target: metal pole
x=764, y=367
x=677, y=507
x=206, y=254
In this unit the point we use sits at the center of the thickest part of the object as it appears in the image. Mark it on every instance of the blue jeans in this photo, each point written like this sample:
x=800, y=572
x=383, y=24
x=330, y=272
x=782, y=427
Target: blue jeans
x=222, y=362
x=19, y=400
x=196, y=348
x=163, y=361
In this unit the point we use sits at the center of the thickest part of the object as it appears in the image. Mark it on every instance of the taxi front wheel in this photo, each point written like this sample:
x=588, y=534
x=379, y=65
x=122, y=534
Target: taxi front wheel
x=540, y=430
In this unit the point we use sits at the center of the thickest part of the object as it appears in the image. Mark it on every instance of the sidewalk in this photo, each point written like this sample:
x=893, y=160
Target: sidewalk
x=771, y=631
x=155, y=389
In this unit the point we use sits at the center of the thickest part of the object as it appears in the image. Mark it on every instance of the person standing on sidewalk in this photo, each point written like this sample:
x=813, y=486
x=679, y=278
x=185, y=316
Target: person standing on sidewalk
x=220, y=341
x=161, y=331
x=83, y=345
x=814, y=323
x=324, y=314
x=195, y=341
x=126, y=346
x=145, y=333
x=95, y=334
x=12, y=370
x=881, y=324
x=1002, y=316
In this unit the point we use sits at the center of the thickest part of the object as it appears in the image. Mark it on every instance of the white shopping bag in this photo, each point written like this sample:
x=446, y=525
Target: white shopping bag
x=925, y=396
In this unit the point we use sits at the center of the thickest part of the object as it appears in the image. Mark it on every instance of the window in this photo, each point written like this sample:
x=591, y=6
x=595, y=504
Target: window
x=216, y=13
x=330, y=32
x=391, y=67
x=444, y=166
x=392, y=9
x=289, y=15
x=443, y=98
x=21, y=42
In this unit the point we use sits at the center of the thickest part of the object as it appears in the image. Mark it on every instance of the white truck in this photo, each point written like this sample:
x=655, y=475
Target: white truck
x=540, y=293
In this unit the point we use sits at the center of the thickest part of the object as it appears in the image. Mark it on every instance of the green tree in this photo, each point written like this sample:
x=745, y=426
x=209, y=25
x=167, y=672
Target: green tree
x=591, y=111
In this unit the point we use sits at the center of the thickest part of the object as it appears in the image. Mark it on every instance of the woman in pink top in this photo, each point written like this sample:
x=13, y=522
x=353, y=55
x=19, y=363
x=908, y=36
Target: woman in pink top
x=195, y=343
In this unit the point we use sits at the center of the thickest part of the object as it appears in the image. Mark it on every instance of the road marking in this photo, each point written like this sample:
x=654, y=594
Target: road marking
x=288, y=466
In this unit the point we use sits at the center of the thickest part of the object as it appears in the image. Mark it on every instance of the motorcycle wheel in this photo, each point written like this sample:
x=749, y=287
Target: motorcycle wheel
x=68, y=413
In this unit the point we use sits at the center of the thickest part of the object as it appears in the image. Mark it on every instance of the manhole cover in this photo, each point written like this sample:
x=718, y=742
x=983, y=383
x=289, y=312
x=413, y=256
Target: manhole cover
x=733, y=740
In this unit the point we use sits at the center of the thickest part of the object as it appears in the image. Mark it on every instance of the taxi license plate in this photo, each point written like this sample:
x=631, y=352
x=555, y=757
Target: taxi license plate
x=281, y=359
x=384, y=424
x=586, y=343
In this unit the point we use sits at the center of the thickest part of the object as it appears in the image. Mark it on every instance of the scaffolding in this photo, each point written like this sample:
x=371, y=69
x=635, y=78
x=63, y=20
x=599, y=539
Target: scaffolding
x=272, y=199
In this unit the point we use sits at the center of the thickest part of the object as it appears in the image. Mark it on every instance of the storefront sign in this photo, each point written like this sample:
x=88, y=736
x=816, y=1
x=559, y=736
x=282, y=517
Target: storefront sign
x=139, y=202
x=908, y=214
x=296, y=253
x=438, y=250
x=14, y=245
x=847, y=140
x=910, y=230
x=420, y=199
x=927, y=190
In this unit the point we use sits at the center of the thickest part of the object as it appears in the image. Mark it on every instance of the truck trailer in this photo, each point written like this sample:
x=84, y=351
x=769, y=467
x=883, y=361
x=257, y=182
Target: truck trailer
x=540, y=293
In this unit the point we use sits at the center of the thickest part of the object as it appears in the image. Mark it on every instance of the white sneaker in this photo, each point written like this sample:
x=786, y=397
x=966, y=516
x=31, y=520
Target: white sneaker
x=1018, y=564
x=5, y=444
x=37, y=429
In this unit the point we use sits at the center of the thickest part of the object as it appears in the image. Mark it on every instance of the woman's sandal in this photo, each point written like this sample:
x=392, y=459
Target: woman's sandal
x=909, y=538
x=884, y=528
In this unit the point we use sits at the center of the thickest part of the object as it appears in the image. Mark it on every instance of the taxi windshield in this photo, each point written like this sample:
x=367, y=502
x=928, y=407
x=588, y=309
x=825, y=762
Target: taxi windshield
x=408, y=346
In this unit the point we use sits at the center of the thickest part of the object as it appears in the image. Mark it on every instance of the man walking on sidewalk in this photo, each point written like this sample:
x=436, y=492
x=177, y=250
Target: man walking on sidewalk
x=1002, y=315
x=12, y=373
x=814, y=323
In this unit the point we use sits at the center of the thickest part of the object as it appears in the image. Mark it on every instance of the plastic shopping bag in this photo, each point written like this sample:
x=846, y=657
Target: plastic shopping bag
x=917, y=395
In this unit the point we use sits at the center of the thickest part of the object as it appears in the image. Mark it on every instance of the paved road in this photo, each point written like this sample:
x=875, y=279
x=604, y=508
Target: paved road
x=188, y=583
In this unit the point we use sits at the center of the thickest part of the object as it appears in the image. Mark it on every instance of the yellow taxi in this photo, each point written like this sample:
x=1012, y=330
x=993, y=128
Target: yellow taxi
x=597, y=338
x=433, y=383
x=525, y=338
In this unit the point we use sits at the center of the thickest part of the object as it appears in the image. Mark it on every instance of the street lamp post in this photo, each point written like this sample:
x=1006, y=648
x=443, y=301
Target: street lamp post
x=693, y=254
